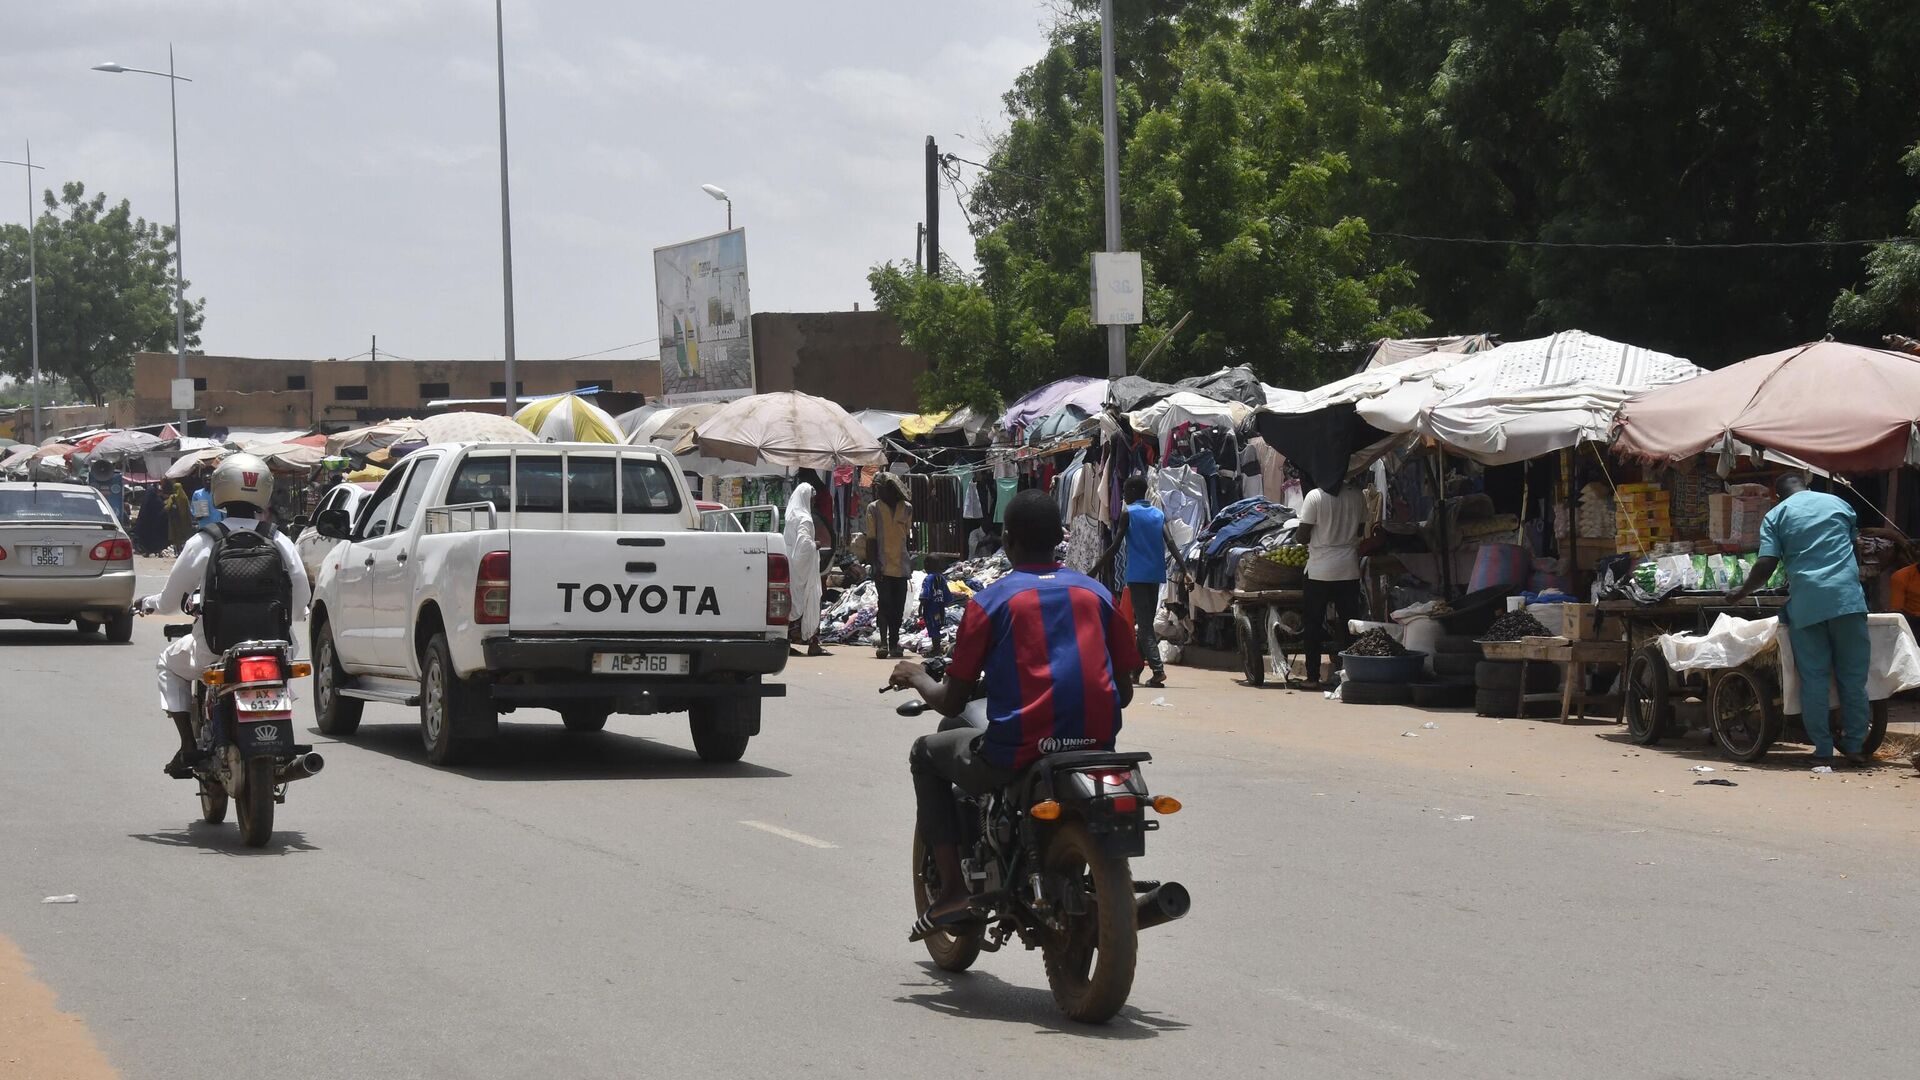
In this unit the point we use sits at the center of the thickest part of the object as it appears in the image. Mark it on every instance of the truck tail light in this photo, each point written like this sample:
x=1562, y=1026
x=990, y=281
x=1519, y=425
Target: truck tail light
x=779, y=590
x=493, y=588
x=111, y=551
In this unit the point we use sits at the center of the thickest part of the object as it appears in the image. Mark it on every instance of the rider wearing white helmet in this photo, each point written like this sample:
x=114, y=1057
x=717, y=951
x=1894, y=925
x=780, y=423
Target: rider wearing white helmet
x=242, y=487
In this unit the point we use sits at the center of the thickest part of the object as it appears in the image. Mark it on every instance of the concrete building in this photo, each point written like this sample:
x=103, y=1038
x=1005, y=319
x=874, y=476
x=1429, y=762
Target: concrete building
x=252, y=392
x=855, y=358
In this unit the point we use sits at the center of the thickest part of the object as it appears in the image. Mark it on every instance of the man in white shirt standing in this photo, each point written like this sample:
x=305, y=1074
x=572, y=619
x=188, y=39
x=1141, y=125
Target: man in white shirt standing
x=1332, y=526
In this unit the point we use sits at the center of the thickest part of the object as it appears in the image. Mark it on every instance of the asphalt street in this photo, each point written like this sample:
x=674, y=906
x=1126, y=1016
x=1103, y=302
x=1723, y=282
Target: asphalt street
x=607, y=906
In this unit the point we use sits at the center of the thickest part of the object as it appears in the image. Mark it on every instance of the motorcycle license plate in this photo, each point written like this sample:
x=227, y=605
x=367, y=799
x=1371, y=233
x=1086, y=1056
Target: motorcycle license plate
x=49, y=556
x=265, y=699
x=622, y=663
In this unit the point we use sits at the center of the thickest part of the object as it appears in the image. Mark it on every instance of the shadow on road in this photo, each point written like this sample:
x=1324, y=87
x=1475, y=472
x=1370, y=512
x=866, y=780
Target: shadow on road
x=976, y=995
x=1788, y=755
x=50, y=636
x=549, y=752
x=225, y=840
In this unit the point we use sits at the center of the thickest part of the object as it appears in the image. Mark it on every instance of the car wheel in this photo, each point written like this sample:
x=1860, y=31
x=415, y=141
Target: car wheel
x=86, y=627
x=120, y=628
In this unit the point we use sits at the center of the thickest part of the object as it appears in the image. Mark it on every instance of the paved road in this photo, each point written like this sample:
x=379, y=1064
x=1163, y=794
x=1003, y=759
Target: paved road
x=583, y=906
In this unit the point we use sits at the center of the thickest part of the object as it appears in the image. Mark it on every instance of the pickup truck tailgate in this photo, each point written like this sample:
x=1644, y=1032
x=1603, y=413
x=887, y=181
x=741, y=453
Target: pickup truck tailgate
x=583, y=582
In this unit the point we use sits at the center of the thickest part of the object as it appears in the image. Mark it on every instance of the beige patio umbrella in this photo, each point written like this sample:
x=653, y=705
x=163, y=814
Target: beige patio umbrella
x=462, y=427
x=365, y=440
x=788, y=428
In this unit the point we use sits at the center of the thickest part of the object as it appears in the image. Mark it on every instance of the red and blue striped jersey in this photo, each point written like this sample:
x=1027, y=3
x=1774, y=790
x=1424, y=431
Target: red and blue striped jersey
x=1052, y=647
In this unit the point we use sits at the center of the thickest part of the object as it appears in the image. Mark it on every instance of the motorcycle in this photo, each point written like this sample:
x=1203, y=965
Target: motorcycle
x=243, y=723
x=1045, y=859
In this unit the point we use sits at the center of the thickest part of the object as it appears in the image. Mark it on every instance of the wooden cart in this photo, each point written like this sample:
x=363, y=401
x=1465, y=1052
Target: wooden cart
x=1253, y=614
x=1740, y=706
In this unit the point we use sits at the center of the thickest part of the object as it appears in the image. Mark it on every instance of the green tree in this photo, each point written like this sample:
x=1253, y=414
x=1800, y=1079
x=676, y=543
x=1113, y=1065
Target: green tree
x=979, y=345
x=106, y=292
x=1639, y=121
x=1890, y=301
x=1235, y=187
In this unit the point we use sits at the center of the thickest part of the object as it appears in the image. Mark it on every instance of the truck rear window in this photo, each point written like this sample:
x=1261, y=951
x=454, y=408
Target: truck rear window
x=593, y=482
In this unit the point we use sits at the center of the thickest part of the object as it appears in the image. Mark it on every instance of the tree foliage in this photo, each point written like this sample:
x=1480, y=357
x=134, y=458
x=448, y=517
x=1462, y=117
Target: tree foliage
x=1288, y=165
x=979, y=340
x=106, y=292
x=1640, y=121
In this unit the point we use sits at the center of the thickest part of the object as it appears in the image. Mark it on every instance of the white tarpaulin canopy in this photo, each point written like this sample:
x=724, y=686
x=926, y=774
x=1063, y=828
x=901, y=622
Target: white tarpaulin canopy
x=1163, y=416
x=1518, y=401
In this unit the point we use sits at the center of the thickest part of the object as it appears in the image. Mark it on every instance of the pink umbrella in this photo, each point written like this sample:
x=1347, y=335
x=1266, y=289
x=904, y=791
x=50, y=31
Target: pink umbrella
x=1834, y=406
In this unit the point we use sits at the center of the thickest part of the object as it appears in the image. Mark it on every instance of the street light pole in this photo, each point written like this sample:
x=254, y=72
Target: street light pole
x=179, y=256
x=720, y=193
x=33, y=286
x=1110, y=137
x=511, y=395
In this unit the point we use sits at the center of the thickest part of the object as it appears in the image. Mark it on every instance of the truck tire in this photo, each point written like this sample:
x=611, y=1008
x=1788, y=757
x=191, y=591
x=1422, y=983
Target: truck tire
x=449, y=705
x=722, y=726
x=586, y=715
x=333, y=714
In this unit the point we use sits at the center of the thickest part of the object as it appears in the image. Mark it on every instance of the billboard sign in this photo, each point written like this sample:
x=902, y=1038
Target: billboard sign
x=706, y=336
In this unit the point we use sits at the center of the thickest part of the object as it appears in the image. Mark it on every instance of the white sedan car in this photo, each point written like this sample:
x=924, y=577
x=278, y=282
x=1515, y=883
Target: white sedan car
x=313, y=547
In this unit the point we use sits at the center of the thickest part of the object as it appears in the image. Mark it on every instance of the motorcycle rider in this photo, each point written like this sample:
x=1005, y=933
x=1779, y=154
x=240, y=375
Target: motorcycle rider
x=242, y=489
x=1055, y=654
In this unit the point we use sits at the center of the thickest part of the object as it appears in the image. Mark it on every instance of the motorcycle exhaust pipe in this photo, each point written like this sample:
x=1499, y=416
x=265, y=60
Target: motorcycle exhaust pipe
x=1162, y=904
x=300, y=768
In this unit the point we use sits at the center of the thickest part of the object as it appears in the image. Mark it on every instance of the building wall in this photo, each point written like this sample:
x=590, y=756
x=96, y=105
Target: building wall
x=855, y=358
x=254, y=392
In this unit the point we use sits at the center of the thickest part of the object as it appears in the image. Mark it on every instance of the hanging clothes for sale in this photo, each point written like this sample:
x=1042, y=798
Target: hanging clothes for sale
x=1182, y=494
x=1004, y=490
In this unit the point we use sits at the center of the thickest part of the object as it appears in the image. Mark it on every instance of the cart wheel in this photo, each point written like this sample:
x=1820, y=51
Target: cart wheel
x=1876, y=728
x=1252, y=646
x=1745, y=719
x=1649, y=713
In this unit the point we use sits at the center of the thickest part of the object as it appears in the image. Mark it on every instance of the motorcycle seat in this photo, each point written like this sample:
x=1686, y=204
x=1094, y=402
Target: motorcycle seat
x=1036, y=774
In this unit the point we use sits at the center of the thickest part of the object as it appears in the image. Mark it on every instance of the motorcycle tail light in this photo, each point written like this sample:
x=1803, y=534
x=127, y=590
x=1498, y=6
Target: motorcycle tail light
x=1124, y=804
x=259, y=669
x=493, y=588
x=1114, y=778
x=111, y=551
x=779, y=590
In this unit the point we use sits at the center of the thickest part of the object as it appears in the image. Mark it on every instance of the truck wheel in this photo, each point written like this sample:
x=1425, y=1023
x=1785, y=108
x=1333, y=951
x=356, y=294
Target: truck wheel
x=586, y=716
x=333, y=714
x=722, y=726
x=449, y=705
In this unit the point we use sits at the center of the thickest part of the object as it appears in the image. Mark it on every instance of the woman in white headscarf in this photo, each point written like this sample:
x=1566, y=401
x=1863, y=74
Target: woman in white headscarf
x=803, y=562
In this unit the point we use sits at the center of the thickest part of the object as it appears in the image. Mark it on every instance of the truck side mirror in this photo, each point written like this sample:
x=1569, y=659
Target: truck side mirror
x=333, y=524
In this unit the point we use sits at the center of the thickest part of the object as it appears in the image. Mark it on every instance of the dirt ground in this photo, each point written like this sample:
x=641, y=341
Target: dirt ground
x=37, y=1040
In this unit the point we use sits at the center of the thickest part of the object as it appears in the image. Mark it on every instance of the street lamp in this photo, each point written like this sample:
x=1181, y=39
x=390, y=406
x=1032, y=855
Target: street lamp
x=721, y=194
x=179, y=258
x=510, y=395
x=33, y=286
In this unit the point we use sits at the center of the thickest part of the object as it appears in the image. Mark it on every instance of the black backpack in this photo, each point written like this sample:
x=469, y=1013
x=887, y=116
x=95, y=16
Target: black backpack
x=248, y=592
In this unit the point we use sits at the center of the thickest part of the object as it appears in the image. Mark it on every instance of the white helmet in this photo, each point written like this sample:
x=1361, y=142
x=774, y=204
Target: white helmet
x=242, y=478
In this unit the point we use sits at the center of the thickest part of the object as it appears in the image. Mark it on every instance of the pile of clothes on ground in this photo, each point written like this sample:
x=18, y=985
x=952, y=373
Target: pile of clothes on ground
x=852, y=617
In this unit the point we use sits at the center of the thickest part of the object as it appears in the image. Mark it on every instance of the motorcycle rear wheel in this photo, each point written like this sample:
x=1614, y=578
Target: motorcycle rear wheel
x=213, y=802
x=949, y=951
x=1090, y=965
x=256, y=803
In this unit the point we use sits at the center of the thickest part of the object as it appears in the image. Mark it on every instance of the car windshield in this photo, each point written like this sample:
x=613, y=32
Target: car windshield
x=51, y=504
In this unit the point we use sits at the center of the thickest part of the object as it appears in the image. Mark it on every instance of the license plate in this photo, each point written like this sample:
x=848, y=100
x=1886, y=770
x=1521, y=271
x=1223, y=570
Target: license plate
x=627, y=663
x=49, y=556
x=265, y=699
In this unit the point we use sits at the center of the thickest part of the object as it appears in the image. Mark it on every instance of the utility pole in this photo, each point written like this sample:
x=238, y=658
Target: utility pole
x=933, y=208
x=373, y=353
x=33, y=285
x=1110, y=138
x=511, y=394
x=920, y=246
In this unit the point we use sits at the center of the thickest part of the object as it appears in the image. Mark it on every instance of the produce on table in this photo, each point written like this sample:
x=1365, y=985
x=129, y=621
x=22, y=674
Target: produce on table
x=1289, y=555
x=1376, y=642
x=1515, y=625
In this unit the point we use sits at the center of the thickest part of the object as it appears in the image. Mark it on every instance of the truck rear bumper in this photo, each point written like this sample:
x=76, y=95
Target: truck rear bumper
x=708, y=658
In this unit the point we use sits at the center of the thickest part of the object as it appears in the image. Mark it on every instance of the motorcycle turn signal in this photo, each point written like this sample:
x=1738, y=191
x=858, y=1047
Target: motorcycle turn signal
x=1165, y=804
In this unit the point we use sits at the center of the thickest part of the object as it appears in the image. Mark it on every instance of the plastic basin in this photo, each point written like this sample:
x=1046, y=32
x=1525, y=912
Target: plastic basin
x=1384, y=669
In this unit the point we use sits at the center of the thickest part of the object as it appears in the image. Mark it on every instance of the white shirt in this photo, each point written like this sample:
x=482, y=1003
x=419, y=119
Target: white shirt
x=190, y=574
x=1339, y=524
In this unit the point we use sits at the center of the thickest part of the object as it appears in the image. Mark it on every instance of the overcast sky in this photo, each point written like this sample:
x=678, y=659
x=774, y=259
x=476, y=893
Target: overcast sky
x=338, y=163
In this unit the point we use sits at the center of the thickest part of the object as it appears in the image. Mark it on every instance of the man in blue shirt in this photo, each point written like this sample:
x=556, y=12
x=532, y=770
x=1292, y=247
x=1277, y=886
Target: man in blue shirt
x=1826, y=612
x=1143, y=529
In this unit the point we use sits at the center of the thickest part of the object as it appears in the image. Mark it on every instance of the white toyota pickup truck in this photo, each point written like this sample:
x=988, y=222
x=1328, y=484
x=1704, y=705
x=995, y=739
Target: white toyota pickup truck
x=485, y=578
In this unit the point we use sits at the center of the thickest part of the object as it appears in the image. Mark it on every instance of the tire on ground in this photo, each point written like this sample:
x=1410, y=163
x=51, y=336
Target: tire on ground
x=333, y=714
x=1454, y=665
x=1505, y=675
x=452, y=709
x=1359, y=693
